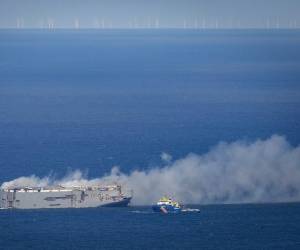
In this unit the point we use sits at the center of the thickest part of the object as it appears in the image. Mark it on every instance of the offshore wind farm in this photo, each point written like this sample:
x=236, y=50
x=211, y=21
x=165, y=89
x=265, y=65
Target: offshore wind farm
x=165, y=14
x=155, y=23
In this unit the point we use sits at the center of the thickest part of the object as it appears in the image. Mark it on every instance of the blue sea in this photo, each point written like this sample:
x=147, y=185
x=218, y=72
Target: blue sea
x=269, y=226
x=94, y=99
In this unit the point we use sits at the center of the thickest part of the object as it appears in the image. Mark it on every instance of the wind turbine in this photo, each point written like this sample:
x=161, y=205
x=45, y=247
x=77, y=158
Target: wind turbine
x=277, y=24
x=148, y=23
x=135, y=23
x=76, y=23
x=204, y=23
x=184, y=24
x=217, y=24
x=268, y=24
x=96, y=23
x=157, y=23
x=41, y=24
x=231, y=24
x=238, y=24
x=50, y=23
x=18, y=23
x=196, y=23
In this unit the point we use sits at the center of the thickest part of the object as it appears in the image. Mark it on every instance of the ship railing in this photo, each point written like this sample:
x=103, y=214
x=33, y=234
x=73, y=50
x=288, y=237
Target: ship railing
x=63, y=188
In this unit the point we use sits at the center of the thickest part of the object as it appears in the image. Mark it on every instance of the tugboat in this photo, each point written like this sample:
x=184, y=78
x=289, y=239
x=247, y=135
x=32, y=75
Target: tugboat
x=167, y=205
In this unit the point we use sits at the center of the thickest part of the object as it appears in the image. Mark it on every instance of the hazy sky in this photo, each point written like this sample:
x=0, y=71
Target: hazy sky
x=143, y=13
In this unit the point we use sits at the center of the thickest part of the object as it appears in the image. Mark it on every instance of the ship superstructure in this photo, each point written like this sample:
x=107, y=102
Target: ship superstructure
x=63, y=197
x=166, y=205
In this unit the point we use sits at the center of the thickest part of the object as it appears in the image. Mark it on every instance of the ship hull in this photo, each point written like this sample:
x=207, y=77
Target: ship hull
x=166, y=209
x=122, y=203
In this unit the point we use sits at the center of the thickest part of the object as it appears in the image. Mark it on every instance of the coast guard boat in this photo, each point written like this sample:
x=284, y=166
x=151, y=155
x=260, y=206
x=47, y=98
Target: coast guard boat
x=167, y=205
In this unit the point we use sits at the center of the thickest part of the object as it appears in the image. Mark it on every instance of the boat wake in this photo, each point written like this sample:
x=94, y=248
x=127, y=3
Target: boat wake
x=141, y=212
x=189, y=210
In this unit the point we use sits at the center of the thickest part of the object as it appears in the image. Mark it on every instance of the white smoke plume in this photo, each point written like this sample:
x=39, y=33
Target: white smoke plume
x=167, y=158
x=239, y=172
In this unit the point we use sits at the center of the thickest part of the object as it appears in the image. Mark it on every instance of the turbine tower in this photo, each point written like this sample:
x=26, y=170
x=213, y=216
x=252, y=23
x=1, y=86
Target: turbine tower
x=277, y=24
x=157, y=23
x=268, y=24
x=135, y=23
x=41, y=24
x=217, y=24
x=149, y=23
x=50, y=24
x=196, y=23
x=96, y=23
x=204, y=23
x=76, y=23
x=18, y=23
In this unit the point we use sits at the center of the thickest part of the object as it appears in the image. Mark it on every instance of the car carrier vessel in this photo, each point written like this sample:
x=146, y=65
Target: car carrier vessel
x=63, y=197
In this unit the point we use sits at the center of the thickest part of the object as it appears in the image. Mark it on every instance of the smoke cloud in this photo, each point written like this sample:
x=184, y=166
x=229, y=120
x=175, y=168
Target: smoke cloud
x=238, y=172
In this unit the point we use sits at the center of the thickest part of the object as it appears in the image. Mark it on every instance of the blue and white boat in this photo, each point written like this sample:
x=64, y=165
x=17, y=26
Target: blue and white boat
x=167, y=205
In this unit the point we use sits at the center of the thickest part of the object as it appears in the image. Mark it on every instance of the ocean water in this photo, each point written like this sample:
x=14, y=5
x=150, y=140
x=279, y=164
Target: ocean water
x=269, y=226
x=91, y=100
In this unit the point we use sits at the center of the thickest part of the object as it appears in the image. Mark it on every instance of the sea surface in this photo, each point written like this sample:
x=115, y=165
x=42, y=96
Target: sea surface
x=94, y=99
x=255, y=226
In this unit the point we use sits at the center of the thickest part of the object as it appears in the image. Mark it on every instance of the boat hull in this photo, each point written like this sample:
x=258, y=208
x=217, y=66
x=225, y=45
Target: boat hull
x=166, y=209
